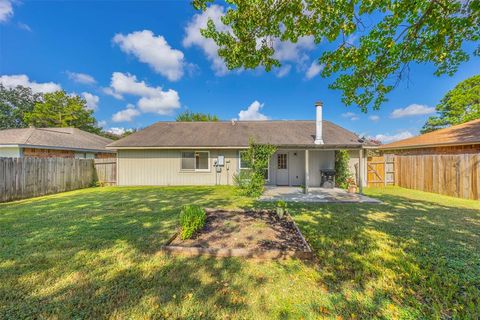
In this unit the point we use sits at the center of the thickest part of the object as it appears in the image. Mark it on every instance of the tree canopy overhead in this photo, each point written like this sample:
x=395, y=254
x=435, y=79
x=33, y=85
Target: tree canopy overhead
x=391, y=36
x=460, y=105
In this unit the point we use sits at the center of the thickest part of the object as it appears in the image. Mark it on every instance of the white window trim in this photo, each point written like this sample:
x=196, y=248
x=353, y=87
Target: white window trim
x=240, y=165
x=195, y=162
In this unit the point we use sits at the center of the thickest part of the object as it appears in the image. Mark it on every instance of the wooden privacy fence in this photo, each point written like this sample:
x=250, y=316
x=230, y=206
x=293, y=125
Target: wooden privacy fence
x=22, y=178
x=106, y=170
x=455, y=175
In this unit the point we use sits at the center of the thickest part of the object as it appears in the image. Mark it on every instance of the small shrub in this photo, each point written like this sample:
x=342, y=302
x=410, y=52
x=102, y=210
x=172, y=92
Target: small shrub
x=281, y=208
x=192, y=219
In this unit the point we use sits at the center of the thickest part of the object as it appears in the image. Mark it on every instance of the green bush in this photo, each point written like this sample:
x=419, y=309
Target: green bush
x=192, y=219
x=251, y=181
x=342, y=171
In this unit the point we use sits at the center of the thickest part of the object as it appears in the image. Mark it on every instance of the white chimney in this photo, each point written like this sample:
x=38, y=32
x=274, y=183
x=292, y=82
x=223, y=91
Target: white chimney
x=319, y=123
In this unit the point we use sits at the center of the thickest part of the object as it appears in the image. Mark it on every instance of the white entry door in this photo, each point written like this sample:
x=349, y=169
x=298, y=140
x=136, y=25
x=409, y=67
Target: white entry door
x=282, y=169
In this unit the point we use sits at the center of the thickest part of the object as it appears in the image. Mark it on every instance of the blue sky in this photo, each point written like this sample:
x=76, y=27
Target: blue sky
x=138, y=62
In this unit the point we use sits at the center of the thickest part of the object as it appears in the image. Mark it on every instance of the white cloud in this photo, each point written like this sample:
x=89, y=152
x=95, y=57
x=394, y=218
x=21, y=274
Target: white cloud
x=387, y=138
x=109, y=91
x=153, y=99
x=126, y=115
x=193, y=37
x=6, y=10
x=153, y=50
x=117, y=131
x=23, y=80
x=313, y=70
x=374, y=118
x=293, y=52
x=163, y=104
x=412, y=110
x=81, y=77
x=351, y=116
x=101, y=123
x=92, y=100
x=283, y=70
x=252, y=112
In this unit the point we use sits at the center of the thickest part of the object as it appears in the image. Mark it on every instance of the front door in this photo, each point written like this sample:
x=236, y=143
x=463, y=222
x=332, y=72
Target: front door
x=282, y=169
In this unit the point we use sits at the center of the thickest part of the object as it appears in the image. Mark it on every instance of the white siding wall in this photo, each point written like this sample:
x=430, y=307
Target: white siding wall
x=10, y=152
x=319, y=160
x=162, y=168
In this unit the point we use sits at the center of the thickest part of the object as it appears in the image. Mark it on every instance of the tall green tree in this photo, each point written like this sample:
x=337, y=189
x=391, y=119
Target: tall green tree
x=392, y=34
x=188, y=115
x=459, y=105
x=14, y=104
x=58, y=109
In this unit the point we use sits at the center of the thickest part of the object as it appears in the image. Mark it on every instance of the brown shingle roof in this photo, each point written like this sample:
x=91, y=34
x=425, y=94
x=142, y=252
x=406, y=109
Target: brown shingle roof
x=57, y=138
x=227, y=134
x=462, y=134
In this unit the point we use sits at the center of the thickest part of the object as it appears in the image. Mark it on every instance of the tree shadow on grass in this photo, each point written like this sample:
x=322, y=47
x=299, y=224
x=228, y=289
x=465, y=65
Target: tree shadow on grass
x=93, y=254
x=405, y=255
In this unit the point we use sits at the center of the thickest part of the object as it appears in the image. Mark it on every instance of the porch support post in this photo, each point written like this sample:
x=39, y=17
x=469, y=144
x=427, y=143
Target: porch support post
x=360, y=170
x=307, y=178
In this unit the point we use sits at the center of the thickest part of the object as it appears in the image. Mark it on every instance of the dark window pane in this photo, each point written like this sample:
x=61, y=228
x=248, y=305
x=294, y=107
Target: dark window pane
x=201, y=160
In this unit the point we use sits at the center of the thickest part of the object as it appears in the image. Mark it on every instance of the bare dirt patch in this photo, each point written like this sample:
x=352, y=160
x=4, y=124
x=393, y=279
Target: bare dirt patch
x=249, y=233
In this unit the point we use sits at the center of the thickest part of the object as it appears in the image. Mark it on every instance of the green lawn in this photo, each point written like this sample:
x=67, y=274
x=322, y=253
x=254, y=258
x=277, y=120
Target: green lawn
x=93, y=253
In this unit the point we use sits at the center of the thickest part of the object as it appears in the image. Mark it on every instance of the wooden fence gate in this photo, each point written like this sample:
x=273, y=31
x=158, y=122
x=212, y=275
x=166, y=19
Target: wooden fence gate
x=381, y=171
x=106, y=170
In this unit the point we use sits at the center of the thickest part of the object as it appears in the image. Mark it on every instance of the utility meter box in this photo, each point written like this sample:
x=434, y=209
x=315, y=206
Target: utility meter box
x=221, y=161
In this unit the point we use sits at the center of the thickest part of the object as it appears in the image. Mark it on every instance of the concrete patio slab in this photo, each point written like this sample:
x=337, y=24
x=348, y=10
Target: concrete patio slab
x=315, y=195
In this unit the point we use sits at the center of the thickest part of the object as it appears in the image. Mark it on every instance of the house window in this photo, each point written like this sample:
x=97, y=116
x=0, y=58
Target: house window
x=243, y=164
x=195, y=160
x=282, y=161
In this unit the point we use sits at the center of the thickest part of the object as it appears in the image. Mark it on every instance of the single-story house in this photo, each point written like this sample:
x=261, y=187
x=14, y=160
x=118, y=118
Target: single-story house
x=53, y=143
x=462, y=138
x=209, y=153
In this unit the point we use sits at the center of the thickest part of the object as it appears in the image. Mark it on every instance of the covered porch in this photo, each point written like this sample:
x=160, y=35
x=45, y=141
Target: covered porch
x=314, y=195
x=304, y=167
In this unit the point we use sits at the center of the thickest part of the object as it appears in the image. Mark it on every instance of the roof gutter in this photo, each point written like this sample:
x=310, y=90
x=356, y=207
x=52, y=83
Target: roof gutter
x=56, y=148
x=309, y=146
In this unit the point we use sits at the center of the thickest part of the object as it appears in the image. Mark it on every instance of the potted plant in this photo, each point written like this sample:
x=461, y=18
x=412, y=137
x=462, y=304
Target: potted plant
x=281, y=208
x=352, y=185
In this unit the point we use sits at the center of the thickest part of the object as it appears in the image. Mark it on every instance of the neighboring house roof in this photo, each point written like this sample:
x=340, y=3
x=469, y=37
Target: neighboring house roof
x=54, y=138
x=463, y=134
x=237, y=134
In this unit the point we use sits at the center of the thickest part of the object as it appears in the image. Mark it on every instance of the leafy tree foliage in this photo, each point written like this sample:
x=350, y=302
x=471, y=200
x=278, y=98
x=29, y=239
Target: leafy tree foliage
x=342, y=170
x=391, y=35
x=461, y=104
x=190, y=116
x=251, y=181
x=14, y=103
x=58, y=109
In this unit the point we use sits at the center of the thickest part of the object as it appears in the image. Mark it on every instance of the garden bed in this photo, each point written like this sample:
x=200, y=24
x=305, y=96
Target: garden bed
x=253, y=234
